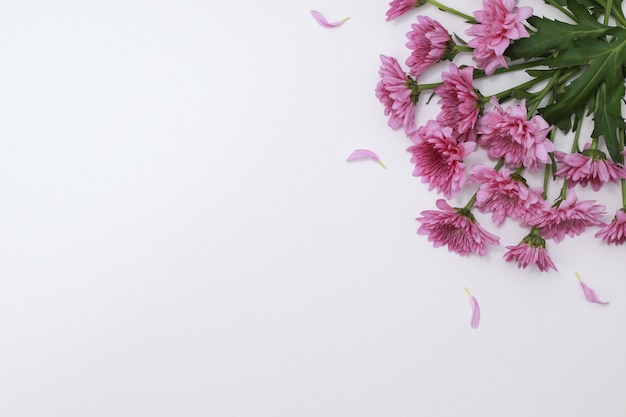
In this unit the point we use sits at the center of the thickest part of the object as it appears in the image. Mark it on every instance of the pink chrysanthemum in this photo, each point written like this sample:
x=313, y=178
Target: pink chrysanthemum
x=394, y=91
x=438, y=158
x=505, y=194
x=530, y=251
x=400, y=7
x=457, y=228
x=614, y=233
x=499, y=23
x=459, y=101
x=509, y=135
x=569, y=217
x=589, y=166
x=429, y=42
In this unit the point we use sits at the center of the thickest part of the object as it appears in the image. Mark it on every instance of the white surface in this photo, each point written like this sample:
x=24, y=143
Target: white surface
x=180, y=234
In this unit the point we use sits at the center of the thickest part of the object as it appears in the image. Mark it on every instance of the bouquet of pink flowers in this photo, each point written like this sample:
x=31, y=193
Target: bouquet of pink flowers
x=574, y=73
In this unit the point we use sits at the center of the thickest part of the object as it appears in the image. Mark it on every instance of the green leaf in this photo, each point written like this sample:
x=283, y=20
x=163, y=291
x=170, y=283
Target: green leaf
x=581, y=12
x=604, y=65
x=616, y=7
x=553, y=35
x=608, y=119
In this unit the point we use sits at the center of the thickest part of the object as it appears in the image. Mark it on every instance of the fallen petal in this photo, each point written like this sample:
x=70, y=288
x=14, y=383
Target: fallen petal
x=590, y=294
x=319, y=18
x=475, y=309
x=365, y=153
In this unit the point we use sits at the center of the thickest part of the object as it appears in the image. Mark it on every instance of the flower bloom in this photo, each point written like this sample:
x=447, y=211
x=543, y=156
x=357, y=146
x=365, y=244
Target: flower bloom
x=459, y=100
x=589, y=166
x=399, y=7
x=429, y=42
x=438, y=157
x=509, y=135
x=499, y=23
x=614, y=233
x=530, y=251
x=394, y=91
x=455, y=227
x=505, y=194
x=568, y=217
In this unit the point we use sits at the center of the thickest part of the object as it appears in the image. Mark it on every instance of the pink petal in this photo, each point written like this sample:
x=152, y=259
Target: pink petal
x=319, y=18
x=475, y=310
x=365, y=153
x=590, y=294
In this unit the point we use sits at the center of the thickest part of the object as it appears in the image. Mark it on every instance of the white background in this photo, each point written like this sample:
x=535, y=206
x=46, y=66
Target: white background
x=180, y=234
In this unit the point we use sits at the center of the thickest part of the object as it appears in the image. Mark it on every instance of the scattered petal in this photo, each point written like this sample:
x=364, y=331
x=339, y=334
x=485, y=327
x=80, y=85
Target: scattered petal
x=319, y=18
x=590, y=294
x=475, y=310
x=365, y=153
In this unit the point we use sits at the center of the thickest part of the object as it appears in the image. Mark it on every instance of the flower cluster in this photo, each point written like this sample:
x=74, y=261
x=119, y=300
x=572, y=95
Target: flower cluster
x=531, y=131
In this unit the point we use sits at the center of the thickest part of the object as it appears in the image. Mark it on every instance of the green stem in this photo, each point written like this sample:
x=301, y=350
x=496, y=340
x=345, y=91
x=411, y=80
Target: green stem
x=471, y=202
x=563, y=194
x=461, y=48
x=499, y=165
x=478, y=73
x=546, y=174
x=546, y=179
x=440, y=6
x=562, y=9
x=522, y=86
x=423, y=87
x=608, y=10
x=541, y=95
x=579, y=124
x=619, y=19
x=623, y=182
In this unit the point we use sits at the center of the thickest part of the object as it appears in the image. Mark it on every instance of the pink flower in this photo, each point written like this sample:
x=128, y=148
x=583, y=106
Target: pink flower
x=457, y=228
x=399, y=7
x=530, y=251
x=429, y=42
x=614, y=233
x=589, y=166
x=568, y=217
x=438, y=158
x=499, y=23
x=509, y=135
x=459, y=101
x=394, y=91
x=505, y=194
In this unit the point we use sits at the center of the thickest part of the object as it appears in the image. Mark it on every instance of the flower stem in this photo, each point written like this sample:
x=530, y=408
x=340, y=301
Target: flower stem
x=575, y=147
x=546, y=179
x=453, y=11
x=471, y=202
x=523, y=86
x=478, y=73
x=562, y=9
x=432, y=86
x=546, y=174
x=608, y=10
x=623, y=182
x=563, y=194
x=461, y=48
x=541, y=94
